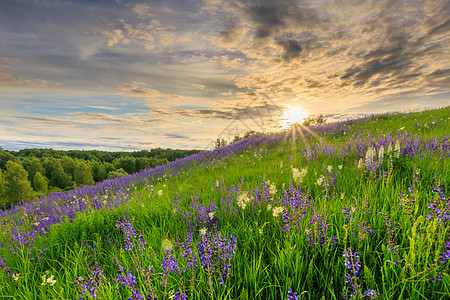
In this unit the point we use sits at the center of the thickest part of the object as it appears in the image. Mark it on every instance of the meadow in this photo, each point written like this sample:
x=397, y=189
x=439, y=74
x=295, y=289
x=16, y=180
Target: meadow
x=356, y=209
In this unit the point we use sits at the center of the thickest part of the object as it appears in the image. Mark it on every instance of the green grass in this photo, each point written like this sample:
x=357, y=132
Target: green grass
x=267, y=260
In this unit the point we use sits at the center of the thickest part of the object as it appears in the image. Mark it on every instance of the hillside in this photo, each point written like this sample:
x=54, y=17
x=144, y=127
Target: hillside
x=357, y=209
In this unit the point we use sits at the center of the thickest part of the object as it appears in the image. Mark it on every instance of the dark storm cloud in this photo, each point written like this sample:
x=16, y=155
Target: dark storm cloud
x=291, y=47
x=270, y=17
x=285, y=22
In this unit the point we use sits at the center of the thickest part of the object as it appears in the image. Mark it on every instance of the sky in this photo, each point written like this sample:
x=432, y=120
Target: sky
x=133, y=74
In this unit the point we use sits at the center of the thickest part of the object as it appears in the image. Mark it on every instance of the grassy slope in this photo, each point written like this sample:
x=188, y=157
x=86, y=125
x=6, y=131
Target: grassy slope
x=267, y=260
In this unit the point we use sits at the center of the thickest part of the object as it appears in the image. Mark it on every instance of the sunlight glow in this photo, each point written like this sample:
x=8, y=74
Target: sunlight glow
x=293, y=115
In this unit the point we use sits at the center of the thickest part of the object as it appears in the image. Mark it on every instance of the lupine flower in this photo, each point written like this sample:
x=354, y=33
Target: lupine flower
x=128, y=234
x=292, y=295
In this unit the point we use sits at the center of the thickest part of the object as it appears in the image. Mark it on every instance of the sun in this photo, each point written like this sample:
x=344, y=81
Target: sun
x=293, y=115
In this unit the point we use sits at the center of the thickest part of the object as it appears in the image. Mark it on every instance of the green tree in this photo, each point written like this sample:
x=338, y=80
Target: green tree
x=69, y=165
x=49, y=164
x=17, y=186
x=116, y=173
x=59, y=178
x=83, y=174
x=33, y=165
x=102, y=173
x=40, y=183
x=5, y=156
x=127, y=163
x=220, y=143
x=2, y=186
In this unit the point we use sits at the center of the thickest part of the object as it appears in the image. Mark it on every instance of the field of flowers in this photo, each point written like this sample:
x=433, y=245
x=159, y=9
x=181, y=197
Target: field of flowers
x=351, y=210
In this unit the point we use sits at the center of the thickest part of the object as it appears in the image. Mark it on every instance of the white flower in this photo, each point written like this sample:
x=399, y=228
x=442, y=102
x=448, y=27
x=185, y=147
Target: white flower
x=272, y=189
x=277, y=210
x=242, y=200
x=401, y=128
x=159, y=192
x=203, y=231
x=330, y=168
x=320, y=180
x=269, y=207
x=381, y=152
x=397, y=149
x=299, y=174
x=46, y=280
x=211, y=215
x=260, y=231
x=370, y=153
x=51, y=281
x=389, y=149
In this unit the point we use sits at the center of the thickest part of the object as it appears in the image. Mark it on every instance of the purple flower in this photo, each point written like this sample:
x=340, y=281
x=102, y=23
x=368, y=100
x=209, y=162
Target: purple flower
x=292, y=295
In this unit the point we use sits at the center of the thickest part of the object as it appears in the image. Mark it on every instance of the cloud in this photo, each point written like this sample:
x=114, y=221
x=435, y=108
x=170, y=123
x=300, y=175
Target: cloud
x=142, y=10
x=199, y=86
x=140, y=90
x=8, y=80
x=291, y=47
x=183, y=66
x=98, y=117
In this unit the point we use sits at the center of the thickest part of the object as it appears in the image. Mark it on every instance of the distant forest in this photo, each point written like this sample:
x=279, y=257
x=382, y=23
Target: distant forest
x=31, y=173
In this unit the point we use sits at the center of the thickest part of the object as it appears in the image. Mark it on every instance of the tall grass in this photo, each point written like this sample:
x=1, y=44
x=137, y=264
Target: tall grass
x=354, y=210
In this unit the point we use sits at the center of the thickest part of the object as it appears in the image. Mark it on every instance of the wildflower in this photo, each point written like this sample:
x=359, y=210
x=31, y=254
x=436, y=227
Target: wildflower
x=51, y=281
x=292, y=295
x=330, y=168
x=370, y=154
x=15, y=276
x=360, y=163
x=272, y=189
x=381, y=152
x=160, y=192
x=211, y=215
x=277, y=210
x=320, y=180
x=242, y=200
x=269, y=207
x=203, y=231
x=371, y=294
x=389, y=148
x=397, y=149
x=299, y=174
x=260, y=231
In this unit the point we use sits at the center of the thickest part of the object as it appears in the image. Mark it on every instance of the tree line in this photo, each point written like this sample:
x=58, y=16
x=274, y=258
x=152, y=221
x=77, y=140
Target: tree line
x=31, y=173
